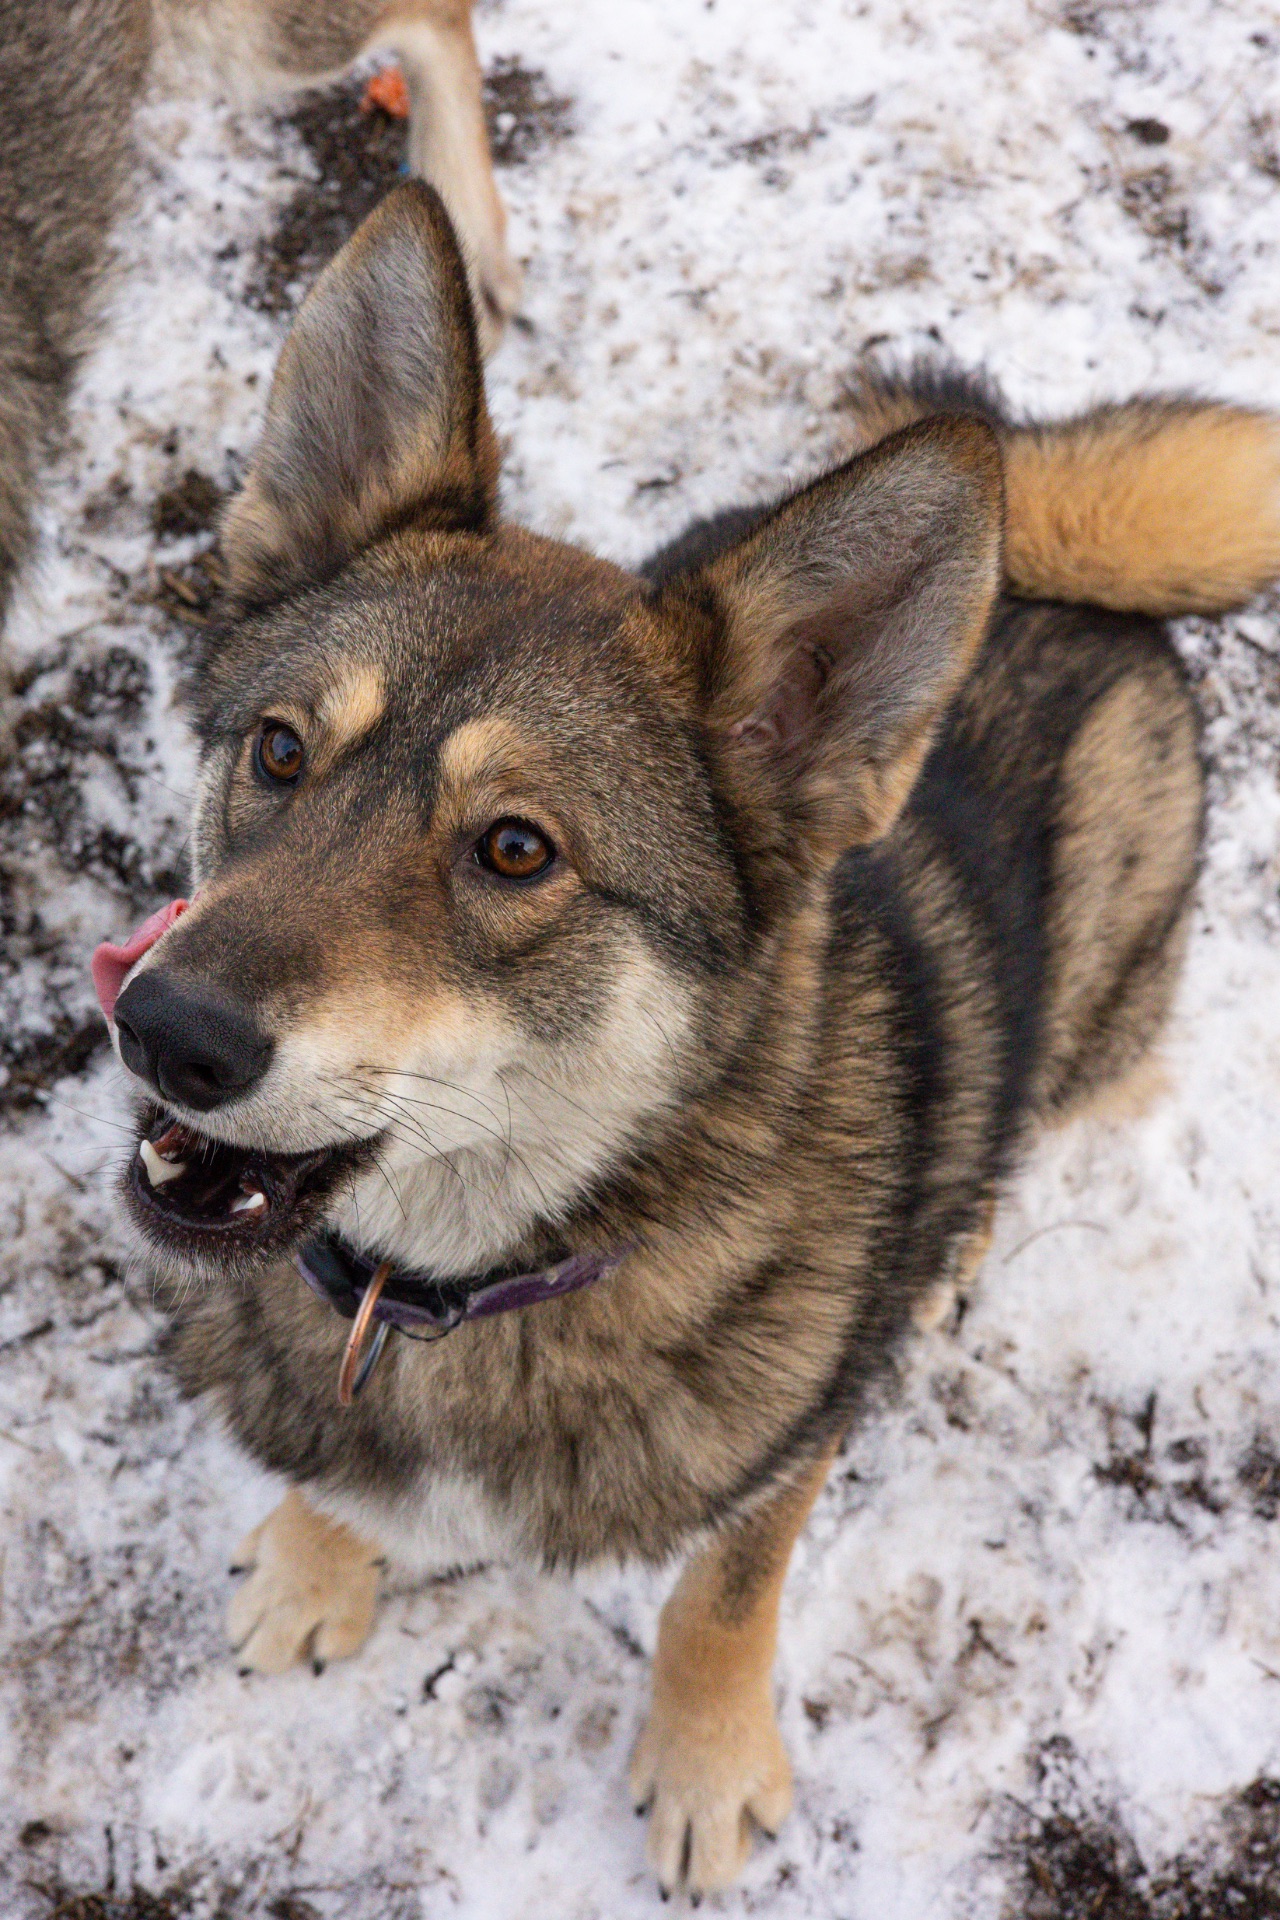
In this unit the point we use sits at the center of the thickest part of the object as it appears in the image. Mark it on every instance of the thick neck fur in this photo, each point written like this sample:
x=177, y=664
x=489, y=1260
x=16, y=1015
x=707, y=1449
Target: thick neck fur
x=721, y=1158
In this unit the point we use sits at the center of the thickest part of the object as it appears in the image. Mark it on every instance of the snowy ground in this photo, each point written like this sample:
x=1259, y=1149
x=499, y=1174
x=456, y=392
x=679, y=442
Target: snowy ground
x=1031, y=1646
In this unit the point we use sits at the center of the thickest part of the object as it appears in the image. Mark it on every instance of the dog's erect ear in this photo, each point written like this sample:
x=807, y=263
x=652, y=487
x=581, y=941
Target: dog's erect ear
x=835, y=633
x=376, y=415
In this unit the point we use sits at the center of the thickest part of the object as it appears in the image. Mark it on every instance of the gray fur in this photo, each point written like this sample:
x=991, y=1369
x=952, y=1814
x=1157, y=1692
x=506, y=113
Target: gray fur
x=70, y=72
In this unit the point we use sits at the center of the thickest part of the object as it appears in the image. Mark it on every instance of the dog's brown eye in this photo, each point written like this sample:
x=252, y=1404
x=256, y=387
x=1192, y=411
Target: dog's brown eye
x=278, y=753
x=515, y=849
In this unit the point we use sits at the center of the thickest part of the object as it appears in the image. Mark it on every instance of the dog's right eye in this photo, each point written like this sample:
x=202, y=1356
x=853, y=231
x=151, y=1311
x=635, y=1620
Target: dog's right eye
x=278, y=755
x=515, y=850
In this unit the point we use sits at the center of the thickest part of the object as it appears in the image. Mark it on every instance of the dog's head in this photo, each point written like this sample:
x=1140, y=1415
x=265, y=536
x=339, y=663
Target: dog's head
x=491, y=833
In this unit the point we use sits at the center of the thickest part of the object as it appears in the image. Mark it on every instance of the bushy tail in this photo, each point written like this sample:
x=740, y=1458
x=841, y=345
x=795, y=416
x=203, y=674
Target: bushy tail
x=1157, y=505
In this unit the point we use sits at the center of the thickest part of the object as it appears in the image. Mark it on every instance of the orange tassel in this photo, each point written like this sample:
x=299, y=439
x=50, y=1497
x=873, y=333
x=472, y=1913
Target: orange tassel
x=388, y=91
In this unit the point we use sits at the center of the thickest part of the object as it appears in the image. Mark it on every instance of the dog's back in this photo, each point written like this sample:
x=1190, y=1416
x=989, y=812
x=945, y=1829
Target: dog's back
x=69, y=75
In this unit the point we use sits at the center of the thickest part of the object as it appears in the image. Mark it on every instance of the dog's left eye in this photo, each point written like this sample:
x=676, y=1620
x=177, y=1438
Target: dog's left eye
x=515, y=850
x=278, y=754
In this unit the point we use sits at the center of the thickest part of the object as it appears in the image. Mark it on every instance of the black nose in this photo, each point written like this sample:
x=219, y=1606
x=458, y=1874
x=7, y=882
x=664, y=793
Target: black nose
x=191, y=1045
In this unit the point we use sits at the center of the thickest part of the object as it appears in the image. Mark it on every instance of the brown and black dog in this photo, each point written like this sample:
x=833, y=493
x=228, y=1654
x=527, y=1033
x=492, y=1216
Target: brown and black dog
x=649, y=978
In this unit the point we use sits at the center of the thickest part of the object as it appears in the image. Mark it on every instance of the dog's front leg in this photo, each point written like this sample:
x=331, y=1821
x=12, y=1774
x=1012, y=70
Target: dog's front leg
x=310, y=1594
x=449, y=146
x=711, y=1760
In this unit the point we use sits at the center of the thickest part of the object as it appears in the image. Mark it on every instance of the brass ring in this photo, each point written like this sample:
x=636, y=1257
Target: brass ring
x=348, y=1385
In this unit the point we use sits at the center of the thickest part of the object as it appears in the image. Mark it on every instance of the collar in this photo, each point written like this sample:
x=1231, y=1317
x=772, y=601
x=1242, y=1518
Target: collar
x=340, y=1275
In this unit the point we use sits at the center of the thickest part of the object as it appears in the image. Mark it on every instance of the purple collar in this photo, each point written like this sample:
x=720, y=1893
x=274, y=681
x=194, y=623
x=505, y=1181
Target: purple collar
x=340, y=1275
x=376, y=1298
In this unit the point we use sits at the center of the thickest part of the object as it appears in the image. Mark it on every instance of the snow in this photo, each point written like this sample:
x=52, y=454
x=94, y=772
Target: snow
x=1059, y=1522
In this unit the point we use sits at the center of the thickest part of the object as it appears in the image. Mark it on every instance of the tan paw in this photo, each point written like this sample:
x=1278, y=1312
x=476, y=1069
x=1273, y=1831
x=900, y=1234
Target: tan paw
x=310, y=1594
x=705, y=1783
x=497, y=283
x=933, y=1309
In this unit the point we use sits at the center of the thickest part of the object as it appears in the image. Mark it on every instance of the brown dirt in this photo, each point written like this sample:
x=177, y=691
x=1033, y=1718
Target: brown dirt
x=189, y=506
x=1073, y=1858
x=357, y=157
x=523, y=112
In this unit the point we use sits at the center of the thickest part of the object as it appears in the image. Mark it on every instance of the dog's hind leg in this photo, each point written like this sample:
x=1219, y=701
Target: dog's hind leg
x=310, y=1594
x=710, y=1760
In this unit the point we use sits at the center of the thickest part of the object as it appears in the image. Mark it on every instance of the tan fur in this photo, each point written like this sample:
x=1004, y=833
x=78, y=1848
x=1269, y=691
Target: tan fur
x=481, y=753
x=352, y=707
x=710, y=1760
x=310, y=1593
x=1162, y=509
x=932, y=1310
x=1156, y=505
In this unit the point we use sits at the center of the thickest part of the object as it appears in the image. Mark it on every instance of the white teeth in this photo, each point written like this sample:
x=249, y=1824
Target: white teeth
x=249, y=1203
x=158, y=1169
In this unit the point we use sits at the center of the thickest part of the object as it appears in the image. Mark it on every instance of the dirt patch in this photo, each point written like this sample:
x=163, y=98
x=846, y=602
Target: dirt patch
x=1259, y=1474
x=766, y=146
x=1169, y=1483
x=80, y=723
x=55, y=741
x=1073, y=1857
x=1151, y=198
x=52, y=1891
x=523, y=112
x=189, y=506
x=356, y=158
x=33, y=1063
x=1148, y=132
x=55, y=1900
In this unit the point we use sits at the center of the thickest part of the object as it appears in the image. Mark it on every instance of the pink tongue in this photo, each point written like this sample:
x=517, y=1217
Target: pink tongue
x=109, y=964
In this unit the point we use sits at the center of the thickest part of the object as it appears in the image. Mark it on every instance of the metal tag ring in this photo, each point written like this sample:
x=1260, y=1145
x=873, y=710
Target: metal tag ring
x=356, y=1364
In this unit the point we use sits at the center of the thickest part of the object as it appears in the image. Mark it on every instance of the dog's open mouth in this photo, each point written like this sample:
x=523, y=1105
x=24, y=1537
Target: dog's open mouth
x=191, y=1193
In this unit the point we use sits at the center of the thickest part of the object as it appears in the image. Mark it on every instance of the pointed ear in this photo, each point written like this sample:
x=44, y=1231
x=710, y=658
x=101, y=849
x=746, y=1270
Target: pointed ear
x=837, y=630
x=376, y=414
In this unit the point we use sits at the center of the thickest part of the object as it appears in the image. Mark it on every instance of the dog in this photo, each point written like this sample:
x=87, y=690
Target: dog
x=70, y=75
x=612, y=1003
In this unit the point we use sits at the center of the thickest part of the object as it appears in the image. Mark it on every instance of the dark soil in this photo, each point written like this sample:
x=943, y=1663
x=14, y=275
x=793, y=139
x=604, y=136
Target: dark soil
x=60, y=1902
x=34, y=1062
x=1073, y=1858
x=89, y=721
x=1151, y=133
x=358, y=157
x=523, y=113
x=189, y=506
x=1259, y=1474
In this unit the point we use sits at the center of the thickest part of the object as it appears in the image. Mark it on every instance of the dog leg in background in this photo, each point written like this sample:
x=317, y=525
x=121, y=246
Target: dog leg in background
x=278, y=42
x=310, y=1594
x=710, y=1759
x=449, y=146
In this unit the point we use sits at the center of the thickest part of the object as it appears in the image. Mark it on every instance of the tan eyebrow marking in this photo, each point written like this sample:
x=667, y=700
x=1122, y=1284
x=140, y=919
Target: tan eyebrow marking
x=480, y=749
x=351, y=707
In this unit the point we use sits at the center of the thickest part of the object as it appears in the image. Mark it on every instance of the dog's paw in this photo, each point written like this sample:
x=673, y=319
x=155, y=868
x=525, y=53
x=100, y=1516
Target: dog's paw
x=497, y=285
x=705, y=1785
x=310, y=1594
